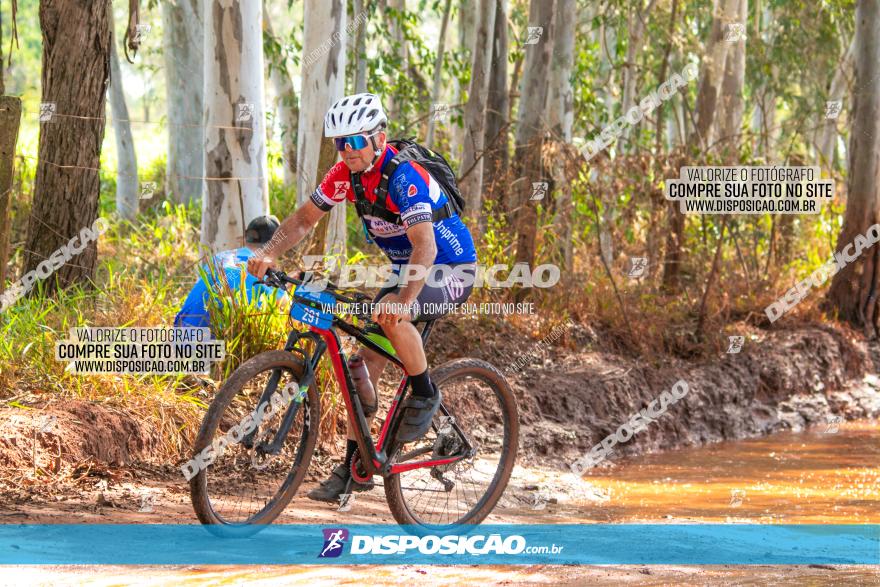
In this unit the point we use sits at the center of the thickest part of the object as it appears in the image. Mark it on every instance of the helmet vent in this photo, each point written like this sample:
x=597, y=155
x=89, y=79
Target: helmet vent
x=354, y=114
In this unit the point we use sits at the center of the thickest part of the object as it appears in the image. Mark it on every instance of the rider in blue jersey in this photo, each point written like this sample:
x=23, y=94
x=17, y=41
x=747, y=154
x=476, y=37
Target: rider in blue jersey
x=421, y=235
x=226, y=273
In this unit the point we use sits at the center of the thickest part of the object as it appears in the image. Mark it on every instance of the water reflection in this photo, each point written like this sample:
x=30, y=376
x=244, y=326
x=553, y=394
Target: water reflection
x=823, y=475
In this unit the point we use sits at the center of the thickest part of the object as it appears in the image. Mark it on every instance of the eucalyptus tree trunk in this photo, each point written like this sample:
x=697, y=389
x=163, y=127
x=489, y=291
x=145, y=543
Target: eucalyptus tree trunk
x=637, y=18
x=467, y=30
x=287, y=108
x=611, y=96
x=183, y=26
x=711, y=78
x=126, y=167
x=235, y=129
x=764, y=125
x=10, y=121
x=438, y=74
x=395, y=28
x=828, y=141
x=75, y=72
x=495, y=171
x=560, y=100
x=360, y=47
x=531, y=127
x=323, y=83
x=732, y=86
x=712, y=69
x=607, y=66
x=560, y=117
x=853, y=292
x=475, y=112
x=675, y=128
x=764, y=115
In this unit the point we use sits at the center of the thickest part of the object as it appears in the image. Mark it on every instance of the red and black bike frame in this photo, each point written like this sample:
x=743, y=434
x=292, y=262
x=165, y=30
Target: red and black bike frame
x=382, y=453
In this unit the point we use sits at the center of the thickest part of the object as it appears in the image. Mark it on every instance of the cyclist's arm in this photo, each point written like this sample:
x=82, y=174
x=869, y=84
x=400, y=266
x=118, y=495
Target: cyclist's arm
x=294, y=228
x=424, y=251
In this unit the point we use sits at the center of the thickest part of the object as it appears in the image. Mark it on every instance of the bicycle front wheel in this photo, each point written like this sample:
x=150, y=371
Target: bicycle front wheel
x=478, y=418
x=249, y=482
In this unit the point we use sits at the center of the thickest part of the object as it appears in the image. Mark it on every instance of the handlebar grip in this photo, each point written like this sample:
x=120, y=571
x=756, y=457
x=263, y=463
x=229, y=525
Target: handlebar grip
x=273, y=273
x=273, y=278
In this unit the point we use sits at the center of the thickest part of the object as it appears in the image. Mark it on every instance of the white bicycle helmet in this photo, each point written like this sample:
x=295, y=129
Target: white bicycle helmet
x=353, y=115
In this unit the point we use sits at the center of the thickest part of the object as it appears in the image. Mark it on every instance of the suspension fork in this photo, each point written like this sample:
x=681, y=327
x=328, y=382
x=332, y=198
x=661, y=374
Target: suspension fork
x=310, y=363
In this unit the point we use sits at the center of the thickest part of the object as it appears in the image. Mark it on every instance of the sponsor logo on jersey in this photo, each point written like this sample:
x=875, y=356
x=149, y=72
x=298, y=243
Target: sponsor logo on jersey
x=455, y=287
x=416, y=213
x=379, y=227
x=341, y=188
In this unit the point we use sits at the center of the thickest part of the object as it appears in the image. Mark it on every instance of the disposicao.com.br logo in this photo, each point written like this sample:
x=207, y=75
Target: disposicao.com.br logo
x=493, y=544
x=334, y=542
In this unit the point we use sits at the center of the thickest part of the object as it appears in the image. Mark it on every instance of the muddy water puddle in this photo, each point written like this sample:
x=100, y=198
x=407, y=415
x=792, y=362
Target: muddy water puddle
x=826, y=474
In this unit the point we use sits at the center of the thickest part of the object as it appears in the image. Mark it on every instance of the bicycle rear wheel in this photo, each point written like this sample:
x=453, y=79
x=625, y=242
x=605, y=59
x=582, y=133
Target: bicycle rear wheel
x=478, y=417
x=251, y=481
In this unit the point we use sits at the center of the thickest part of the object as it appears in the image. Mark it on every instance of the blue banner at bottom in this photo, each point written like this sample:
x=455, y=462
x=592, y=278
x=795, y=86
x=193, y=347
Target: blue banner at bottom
x=508, y=544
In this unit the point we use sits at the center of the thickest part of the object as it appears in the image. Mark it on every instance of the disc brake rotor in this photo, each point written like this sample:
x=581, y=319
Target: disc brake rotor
x=259, y=459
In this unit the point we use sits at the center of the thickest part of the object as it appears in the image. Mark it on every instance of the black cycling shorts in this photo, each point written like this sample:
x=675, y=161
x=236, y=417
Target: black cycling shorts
x=441, y=291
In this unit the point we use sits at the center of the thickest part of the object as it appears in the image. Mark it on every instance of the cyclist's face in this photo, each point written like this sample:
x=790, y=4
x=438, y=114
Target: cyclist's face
x=358, y=160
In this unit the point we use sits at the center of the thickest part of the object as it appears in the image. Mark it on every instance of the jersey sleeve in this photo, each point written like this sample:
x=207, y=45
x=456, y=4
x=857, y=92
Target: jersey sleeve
x=415, y=192
x=334, y=188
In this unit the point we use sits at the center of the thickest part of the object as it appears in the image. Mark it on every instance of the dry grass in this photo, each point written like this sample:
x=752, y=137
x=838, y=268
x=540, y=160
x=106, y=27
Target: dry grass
x=144, y=271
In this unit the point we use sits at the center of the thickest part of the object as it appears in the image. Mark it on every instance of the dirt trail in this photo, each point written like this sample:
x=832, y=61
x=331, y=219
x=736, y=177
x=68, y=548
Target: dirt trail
x=788, y=380
x=819, y=476
x=568, y=401
x=822, y=475
x=437, y=575
x=115, y=471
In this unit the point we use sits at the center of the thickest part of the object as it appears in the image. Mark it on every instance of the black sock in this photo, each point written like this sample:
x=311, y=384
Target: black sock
x=350, y=448
x=421, y=385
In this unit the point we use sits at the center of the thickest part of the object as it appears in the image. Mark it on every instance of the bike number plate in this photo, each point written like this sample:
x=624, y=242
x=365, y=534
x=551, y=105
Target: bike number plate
x=314, y=316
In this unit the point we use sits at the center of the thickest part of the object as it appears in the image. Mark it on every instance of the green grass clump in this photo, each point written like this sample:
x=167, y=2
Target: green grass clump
x=145, y=269
x=248, y=326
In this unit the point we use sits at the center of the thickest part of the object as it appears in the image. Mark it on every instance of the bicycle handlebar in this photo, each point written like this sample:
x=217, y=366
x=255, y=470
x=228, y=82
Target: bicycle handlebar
x=277, y=278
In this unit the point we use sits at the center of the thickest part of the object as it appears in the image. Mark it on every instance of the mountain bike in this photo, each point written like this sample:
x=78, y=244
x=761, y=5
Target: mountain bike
x=266, y=417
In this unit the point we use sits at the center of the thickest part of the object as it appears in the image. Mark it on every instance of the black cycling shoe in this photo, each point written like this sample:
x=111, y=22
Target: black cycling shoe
x=417, y=415
x=337, y=484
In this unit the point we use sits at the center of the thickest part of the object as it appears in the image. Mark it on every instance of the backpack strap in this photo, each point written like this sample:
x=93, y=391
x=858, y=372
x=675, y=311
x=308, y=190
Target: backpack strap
x=387, y=172
x=364, y=207
x=438, y=214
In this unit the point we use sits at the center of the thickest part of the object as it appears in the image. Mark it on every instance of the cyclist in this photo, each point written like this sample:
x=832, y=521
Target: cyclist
x=194, y=311
x=425, y=233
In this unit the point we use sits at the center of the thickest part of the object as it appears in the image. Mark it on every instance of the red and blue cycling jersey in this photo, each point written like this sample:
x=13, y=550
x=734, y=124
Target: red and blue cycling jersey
x=413, y=194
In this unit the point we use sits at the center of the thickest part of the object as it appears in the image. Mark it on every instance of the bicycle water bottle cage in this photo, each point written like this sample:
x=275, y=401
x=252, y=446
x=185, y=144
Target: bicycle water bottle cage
x=319, y=314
